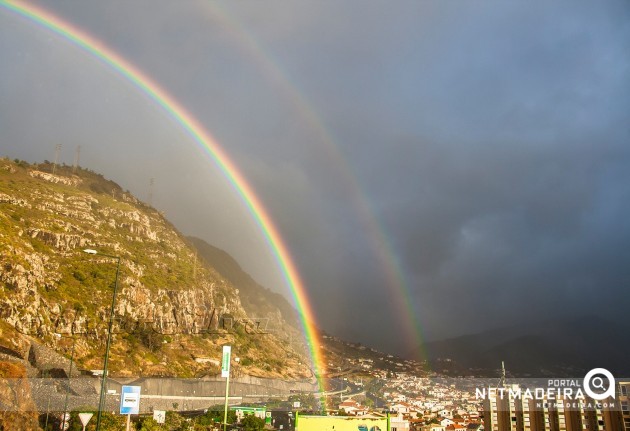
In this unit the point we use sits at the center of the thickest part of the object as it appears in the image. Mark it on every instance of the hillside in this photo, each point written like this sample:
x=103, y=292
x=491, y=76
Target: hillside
x=256, y=300
x=350, y=359
x=173, y=312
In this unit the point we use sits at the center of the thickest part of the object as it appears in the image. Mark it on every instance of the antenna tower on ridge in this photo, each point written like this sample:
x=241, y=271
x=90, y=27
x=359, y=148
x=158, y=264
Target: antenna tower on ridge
x=77, y=154
x=151, y=182
x=57, y=150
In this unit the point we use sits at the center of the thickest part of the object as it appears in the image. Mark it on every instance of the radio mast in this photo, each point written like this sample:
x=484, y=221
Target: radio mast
x=76, y=159
x=57, y=150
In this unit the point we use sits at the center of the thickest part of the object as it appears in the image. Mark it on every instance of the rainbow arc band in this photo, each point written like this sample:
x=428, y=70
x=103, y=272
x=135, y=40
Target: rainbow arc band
x=206, y=142
x=396, y=281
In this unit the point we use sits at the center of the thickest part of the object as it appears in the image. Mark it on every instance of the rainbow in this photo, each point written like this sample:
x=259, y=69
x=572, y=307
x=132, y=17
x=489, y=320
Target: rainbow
x=146, y=85
x=394, y=281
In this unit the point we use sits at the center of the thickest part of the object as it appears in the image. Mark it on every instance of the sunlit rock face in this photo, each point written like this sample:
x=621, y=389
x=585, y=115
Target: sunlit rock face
x=173, y=312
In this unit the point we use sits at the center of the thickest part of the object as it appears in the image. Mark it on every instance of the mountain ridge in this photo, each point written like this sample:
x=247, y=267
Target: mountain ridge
x=173, y=311
x=559, y=347
x=255, y=298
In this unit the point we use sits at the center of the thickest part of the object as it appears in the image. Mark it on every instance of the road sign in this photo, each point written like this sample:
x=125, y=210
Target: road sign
x=65, y=421
x=85, y=418
x=159, y=416
x=130, y=400
x=225, y=364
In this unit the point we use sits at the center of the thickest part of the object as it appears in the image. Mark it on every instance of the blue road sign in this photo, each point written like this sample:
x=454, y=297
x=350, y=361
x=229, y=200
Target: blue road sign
x=130, y=400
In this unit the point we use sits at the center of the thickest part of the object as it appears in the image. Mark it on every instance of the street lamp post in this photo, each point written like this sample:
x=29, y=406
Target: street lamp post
x=101, y=400
x=65, y=404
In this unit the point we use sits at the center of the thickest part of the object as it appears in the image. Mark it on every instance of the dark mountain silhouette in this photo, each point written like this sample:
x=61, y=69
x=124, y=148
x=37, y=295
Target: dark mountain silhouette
x=561, y=347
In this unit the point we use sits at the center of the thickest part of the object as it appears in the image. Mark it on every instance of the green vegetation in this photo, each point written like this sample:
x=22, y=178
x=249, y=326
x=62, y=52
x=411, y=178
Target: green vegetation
x=215, y=416
x=109, y=422
x=307, y=401
x=252, y=423
x=164, y=294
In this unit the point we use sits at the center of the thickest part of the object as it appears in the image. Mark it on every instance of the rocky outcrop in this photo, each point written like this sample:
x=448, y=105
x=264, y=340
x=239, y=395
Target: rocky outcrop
x=167, y=311
x=8, y=199
x=19, y=411
x=60, y=241
x=13, y=345
x=57, y=179
x=52, y=291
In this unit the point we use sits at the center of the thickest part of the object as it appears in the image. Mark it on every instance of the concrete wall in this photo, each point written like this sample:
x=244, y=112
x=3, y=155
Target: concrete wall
x=161, y=393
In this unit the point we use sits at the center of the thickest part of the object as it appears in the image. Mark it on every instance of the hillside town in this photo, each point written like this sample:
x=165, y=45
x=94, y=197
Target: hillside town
x=413, y=400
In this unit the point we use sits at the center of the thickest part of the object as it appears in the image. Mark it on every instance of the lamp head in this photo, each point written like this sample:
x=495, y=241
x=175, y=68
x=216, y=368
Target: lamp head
x=90, y=251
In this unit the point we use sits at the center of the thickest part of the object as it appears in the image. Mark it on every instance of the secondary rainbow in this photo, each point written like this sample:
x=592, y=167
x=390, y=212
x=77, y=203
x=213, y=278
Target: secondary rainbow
x=210, y=146
x=394, y=281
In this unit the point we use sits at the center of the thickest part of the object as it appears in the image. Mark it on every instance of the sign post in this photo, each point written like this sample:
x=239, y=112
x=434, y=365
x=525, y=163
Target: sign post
x=159, y=416
x=225, y=372
x=130, y=402
x=85, y=418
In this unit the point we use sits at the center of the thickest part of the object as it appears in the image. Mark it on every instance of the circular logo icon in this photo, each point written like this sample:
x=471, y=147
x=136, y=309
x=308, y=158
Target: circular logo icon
x=599, y=384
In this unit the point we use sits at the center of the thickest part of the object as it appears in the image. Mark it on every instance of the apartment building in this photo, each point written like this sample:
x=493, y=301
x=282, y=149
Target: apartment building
x=505, y=412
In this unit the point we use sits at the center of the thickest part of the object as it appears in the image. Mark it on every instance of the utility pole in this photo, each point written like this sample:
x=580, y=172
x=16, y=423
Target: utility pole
x=57, y=150
x=195, y=267
x=101, y=402
x=503, y=379
x=66, y=415
x=151, y=182
x=77, y=154
x=225, y=372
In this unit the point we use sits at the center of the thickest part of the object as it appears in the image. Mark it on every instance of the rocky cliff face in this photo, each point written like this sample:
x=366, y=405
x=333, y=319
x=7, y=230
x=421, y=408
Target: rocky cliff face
x=18, y=409
x=171, y=310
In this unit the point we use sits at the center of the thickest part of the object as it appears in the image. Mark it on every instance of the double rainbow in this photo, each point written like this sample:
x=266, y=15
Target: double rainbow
x=395, y=281
x=205, y=140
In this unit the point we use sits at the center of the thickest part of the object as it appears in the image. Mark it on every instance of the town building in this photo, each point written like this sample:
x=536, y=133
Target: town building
x=624, y=402
x=505, y=412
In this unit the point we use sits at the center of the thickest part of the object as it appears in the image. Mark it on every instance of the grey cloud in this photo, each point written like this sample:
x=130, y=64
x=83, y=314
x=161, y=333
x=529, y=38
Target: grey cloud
x=488, y=139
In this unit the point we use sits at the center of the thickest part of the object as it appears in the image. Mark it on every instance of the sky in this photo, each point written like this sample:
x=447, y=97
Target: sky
x=435, y=168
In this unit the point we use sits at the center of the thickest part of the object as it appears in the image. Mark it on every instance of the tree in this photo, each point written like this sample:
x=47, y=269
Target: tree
x=252, y=423
x=111, y=422
x=307, y=401
x=175, y=421
x=149, y=337
x=215, y=416
x=150, y=424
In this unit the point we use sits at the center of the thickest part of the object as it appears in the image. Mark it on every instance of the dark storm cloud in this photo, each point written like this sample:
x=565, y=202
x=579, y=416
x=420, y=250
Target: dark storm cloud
x=500, y=203
x=490, y=140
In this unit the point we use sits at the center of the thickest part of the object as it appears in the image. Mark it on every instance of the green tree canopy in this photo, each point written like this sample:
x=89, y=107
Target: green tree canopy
x=252, y=423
